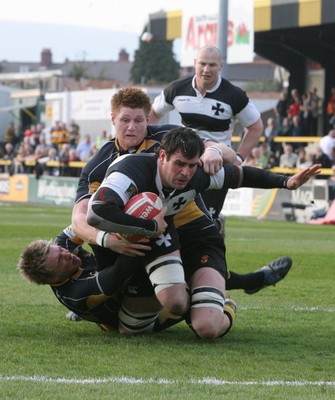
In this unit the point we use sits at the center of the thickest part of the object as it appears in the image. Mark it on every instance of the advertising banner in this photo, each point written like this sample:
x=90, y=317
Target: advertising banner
x=50, y=190
x=14, y=188
x=91, y=105
x=200, y=28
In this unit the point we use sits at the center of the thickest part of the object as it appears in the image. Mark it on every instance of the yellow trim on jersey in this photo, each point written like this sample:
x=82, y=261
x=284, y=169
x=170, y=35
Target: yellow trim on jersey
x=94, y=300
x=190, y=213
x=146, y=144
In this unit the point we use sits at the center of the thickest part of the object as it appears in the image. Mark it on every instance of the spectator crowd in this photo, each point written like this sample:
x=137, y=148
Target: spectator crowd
x=296, y=116
x=37, y=151
x=40, y=152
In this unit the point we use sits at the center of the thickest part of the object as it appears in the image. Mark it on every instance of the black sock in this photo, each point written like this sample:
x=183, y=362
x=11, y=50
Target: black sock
x=244, y=281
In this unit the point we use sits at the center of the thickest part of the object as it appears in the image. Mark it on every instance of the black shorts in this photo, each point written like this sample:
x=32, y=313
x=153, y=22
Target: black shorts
x=139, y=285
x=202, y=246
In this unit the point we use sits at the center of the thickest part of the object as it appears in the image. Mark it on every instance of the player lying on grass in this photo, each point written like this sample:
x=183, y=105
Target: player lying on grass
x=176, y=176
x=92, y=295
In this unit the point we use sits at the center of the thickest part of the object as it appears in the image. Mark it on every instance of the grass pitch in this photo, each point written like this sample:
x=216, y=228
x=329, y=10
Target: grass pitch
x=281, y=346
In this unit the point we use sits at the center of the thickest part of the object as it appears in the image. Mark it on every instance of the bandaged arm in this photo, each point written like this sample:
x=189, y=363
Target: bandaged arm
x=105, y=212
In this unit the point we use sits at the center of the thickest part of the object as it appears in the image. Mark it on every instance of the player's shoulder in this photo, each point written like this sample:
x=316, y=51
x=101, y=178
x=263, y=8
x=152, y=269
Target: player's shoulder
x=108, y=146
x=227, y=85
x=104, y=156
x=142, y=157
x=179, y=84
x=133, y=162
x=156, y=132
x=106, y=150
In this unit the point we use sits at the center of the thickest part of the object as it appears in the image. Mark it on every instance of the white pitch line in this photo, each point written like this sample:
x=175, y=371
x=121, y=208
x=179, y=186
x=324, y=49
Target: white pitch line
x=135, y=381
x=307, y=309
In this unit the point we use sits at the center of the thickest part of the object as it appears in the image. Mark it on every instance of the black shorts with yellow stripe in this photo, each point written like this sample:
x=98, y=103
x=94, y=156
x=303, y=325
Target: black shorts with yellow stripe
x=202, y=246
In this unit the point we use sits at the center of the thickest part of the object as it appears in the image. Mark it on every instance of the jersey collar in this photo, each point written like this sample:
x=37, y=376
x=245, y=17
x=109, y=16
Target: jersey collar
x=215, y=87
x=132, y=150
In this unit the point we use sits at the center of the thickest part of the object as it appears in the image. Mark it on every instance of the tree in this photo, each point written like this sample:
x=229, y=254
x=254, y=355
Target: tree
x=78, y=71
x=154, y=63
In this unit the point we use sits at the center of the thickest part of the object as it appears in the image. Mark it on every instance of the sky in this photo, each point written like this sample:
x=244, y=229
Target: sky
x=124, y=15
x=26, y=27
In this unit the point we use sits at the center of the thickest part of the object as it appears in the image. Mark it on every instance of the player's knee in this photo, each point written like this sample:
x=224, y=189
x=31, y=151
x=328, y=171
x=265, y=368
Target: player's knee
x=167, y=277
x=208, y=320
x=175, y=299
x=206, y=327
x=132, y=323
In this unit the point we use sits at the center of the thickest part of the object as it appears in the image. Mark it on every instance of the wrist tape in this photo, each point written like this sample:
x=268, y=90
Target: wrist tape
x=100, y=238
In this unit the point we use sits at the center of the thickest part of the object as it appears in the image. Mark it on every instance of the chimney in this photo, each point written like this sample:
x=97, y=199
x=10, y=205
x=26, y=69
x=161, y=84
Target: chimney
x=46, y=58
x=123, y=56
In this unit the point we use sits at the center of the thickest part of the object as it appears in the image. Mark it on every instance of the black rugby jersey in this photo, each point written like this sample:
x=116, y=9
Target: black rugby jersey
x=96, y=296
x=84, y=295
x=213, y=112
x=95, y=170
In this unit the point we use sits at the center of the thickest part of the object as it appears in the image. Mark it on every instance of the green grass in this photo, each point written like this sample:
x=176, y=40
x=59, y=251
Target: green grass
x=281, y=347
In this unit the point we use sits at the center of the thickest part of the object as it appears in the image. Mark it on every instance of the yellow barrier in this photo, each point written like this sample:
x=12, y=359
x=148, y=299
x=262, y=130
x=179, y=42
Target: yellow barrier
x=72, y=164
x=80, y=164
x=5, y=162
x=285, y=139
x=292, y=171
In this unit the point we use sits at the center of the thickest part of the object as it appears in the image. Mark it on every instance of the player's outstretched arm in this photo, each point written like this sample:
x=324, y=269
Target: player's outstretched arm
x=302, y=177
x=262, y=178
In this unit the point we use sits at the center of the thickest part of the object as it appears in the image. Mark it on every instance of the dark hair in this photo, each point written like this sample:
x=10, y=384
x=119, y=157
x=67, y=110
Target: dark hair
x=185, y=140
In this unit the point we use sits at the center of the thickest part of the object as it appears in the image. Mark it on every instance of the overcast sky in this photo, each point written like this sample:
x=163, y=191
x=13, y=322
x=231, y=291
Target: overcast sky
x=121, y=15
x=24, y=42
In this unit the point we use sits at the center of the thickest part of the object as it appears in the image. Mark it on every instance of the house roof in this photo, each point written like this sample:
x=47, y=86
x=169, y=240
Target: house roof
x=118, y=71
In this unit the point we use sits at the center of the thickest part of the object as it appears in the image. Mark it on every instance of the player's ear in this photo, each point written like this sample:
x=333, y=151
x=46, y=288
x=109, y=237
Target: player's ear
x=162, y=155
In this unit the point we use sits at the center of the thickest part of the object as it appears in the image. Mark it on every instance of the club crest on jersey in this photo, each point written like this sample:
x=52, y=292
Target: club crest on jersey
x=204, y=259
x=178, y=202
x=94, y=186
x=164, y=240
x=218, y=108
x=177, y=205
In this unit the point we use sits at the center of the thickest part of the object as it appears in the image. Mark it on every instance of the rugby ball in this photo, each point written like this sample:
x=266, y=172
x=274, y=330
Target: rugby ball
x=144, y=205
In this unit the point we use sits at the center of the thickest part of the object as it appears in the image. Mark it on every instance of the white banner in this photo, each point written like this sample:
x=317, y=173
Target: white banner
x=200, y=28
x=91, y=104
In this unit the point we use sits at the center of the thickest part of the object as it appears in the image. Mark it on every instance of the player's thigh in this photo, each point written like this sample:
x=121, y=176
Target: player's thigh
x=141, y=304
x=139, y=295
x=202, y=248
x=207, y=277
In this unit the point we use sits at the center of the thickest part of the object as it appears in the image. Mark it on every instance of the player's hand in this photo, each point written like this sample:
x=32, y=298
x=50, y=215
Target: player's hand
x=211, y=161
x=302, y=177
x=215, y=155
x=127, y=249
x=161, y=223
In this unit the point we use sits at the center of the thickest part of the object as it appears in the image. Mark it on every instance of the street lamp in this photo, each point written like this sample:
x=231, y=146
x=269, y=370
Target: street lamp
x=147, y=35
